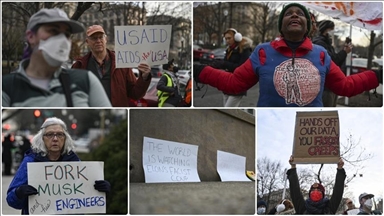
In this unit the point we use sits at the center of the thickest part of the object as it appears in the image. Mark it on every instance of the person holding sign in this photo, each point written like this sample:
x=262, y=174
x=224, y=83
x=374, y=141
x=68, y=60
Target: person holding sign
x=40, y=80
x=52, y=143
x=119, y=83
x=317, y=203
x=168, y=88
x=291, y=71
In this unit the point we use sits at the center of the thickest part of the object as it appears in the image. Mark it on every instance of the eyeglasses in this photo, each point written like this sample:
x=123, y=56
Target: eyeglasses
x=349, y=203
x=94, y=38
x=58, y=135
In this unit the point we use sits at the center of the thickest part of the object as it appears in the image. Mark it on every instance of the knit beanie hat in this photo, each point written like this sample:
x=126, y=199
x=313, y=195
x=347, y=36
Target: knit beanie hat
x=169, y=64
x=261, y=203
x=325, y=24
x=317, y=186
x=306, y=13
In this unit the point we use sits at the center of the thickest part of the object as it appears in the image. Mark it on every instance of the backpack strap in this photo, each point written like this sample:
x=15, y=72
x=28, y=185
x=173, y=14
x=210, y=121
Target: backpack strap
x=66, y=84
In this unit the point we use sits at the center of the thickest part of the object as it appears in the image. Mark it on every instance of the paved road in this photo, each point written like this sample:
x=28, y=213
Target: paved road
x=5, y=209
x=214, y=97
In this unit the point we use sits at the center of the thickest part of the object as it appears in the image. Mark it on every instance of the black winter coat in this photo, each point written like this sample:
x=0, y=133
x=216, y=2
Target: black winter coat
x=298, y=199
x=234, y=59
x=324, y=41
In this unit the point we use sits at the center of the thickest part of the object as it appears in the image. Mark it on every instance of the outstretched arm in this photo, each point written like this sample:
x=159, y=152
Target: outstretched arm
x=294, y=188
x=350, y=85
x=338, y=188
x=242, y=79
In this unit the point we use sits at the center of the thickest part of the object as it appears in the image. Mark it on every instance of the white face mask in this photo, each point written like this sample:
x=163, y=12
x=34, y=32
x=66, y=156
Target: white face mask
x=368, y=203
x=331, y=32
x=261, y=210
x=55, y=49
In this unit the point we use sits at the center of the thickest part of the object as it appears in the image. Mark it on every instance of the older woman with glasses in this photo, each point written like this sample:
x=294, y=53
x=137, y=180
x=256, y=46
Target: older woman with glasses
x=52, y=143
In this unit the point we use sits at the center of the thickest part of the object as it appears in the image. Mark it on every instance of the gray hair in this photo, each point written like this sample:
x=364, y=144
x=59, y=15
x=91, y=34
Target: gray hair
x=38, y=145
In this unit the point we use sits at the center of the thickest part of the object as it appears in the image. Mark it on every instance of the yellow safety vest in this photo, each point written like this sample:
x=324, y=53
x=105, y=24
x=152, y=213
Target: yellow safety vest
x=163, y=96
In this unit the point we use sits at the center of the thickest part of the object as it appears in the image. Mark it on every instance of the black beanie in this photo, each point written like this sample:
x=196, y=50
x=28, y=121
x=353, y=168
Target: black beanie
x=166, y=66
x=325, y=24
x=306, y=13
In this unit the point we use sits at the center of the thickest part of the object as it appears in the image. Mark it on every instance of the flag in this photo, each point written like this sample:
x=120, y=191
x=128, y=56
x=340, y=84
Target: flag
x=367, y=15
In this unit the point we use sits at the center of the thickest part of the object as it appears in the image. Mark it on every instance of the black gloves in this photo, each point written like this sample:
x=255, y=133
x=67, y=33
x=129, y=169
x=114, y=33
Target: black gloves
x=197, y=68
x=24, y=191
x=379, y=75
x=102, y=186
x=218, y=64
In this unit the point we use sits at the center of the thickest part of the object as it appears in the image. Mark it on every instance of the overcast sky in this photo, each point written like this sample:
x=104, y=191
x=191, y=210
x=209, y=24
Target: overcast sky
x=275, y=131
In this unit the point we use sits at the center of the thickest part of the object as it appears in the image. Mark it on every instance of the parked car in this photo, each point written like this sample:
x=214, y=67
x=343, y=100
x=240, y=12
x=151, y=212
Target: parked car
x=379, y=62
x=150, y=98
x=82, y=142
x=157, y=70
x=216, y=54
x=183, y=76
x=198, y=52
x=360, y=65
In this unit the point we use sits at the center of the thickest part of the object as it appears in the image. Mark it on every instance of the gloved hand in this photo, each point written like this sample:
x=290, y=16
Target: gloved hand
x=197, y=68
x=218, y=64
x=379, y=75
x=24, y=191
x=102, y=186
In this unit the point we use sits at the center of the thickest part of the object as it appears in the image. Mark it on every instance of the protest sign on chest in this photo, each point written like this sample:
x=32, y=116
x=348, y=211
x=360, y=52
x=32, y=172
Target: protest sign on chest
x=316, y=138
x=66, y=188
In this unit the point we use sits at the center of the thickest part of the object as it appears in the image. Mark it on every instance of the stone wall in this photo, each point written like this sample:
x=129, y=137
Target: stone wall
x=226, y=130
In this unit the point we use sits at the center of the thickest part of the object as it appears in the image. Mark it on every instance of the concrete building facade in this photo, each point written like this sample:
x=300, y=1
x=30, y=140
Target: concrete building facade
x=232, y=131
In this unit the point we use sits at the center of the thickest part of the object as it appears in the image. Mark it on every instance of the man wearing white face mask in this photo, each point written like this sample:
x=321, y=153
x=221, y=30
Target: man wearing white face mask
x=40, y=81
x=366, y=204
x=326, y=29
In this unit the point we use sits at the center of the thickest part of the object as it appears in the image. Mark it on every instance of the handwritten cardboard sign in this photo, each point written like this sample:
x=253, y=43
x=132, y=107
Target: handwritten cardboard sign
x=316, y=137
x=231, y=167
x=167, y=161
x=136, y=44
x=66, y=188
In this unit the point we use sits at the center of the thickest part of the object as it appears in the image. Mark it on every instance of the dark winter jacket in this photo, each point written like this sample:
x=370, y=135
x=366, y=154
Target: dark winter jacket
x=324, y=41
x=374, y=212
x=21, y=178
x=233, y=59
x=273, y=90
x=85, y=89
x=123, y=83
x=171, y=89
x=298, y=200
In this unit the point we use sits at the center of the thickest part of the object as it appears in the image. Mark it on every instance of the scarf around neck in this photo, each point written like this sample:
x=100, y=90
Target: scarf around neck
x=321, y=207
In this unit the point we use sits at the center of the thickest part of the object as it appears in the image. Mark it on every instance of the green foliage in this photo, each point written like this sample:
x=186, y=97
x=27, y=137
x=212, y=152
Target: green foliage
x=113, y=150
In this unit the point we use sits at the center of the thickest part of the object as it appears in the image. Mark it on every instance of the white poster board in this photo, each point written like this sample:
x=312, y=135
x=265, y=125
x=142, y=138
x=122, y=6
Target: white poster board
x=167, y=161
x=137, y=44
x=66, y=188
x=231, y=167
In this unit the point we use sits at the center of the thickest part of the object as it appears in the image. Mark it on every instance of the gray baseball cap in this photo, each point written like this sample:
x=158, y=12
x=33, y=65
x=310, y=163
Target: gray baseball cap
x=53, y=15
x=365, y=195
